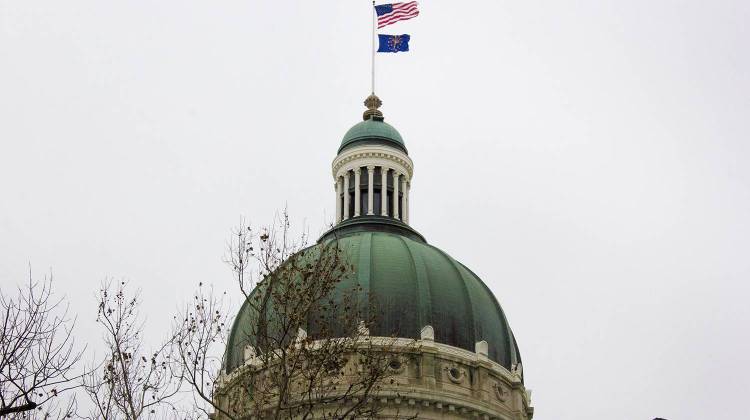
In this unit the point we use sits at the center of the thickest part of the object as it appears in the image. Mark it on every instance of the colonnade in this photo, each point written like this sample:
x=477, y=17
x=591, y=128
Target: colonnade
x=392, y=193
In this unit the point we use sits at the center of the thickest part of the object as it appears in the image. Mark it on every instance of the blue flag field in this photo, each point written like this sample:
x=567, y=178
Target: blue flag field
x=393, y=43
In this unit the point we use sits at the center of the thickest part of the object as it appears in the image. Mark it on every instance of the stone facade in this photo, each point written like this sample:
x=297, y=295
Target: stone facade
x=431, y=380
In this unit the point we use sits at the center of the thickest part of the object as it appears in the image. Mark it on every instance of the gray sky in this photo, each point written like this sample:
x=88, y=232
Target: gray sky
x=584, y=158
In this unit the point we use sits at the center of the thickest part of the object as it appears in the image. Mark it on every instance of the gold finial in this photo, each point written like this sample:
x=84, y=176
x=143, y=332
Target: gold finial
x=373, y=103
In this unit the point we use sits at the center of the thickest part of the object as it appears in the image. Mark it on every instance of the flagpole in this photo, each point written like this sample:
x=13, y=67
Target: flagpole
x=373, y=47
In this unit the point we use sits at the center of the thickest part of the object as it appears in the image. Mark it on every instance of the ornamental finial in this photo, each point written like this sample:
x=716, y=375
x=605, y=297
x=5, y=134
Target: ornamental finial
x=373, y=103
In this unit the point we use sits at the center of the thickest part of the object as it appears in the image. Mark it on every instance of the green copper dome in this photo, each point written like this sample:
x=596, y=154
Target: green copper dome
x=414, y=284
x=373, y=131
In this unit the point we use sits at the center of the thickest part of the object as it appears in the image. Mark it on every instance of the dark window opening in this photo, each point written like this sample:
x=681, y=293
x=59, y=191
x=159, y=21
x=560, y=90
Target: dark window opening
x=364, y=193
x=363, y=177
x=363, y=201
x=350, y=174
x=378, y=177
x=376, y=201
x=390, y=203
x=351, y=204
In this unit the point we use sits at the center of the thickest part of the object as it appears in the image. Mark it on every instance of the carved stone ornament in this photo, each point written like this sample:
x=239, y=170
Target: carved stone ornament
x=455, y=373
x=501, y=393
x=517, y=370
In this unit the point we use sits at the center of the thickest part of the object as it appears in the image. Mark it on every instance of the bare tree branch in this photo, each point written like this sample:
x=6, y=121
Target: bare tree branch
x=37, y=349
x=310, y=353
x=129, y=383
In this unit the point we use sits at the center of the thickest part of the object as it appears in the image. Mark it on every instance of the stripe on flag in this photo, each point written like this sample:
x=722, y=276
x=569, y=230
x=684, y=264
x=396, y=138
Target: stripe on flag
x=392, y=13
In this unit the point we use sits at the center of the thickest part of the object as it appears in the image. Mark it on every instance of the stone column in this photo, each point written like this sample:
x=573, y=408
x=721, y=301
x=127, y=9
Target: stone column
x=408, y=201
x=384, y=191
x=338, y=188
x=346, y=195
x=404, y=202
x=370, y=189
x=357, y=193
x=396, y=181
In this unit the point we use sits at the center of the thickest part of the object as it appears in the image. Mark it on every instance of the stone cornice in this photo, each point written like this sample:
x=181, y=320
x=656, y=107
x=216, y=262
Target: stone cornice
x=369, y=155
x=435, y=379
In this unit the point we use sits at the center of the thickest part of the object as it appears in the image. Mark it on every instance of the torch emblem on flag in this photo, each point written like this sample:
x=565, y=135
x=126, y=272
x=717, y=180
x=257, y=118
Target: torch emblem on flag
x=393, y=43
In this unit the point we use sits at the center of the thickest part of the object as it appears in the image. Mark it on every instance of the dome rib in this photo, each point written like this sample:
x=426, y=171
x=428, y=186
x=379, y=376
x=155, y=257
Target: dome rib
x=424, y=303
x=470, y=312
x=364, y=274
x=414, y=284
x=511, y=347
x=391, y=289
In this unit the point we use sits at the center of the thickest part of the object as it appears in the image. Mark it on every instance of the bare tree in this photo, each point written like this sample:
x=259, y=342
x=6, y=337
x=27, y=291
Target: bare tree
x=199, y=339
x=130, y=382
x=307, y=350
x=37, y=352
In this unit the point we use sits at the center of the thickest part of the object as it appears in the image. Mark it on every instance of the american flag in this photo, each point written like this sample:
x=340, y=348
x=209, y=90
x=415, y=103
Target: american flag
x=392, y=13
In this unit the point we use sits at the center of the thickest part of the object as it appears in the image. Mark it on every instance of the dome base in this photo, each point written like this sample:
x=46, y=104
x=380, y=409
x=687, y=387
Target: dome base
x=428, y=380
x=360, y=224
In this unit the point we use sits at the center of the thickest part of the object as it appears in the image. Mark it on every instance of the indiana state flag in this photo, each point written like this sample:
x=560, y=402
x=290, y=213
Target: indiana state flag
x=393, y=43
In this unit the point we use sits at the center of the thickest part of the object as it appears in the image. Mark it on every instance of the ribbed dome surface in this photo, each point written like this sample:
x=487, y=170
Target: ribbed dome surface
x=375, y=131
x=415, y=284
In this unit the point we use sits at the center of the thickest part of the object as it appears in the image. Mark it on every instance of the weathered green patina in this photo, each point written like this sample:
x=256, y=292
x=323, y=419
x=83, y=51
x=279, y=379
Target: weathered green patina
x=374, y=131
x=414, y=284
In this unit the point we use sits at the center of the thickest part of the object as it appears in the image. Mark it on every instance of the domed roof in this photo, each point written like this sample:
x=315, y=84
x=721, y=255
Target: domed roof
x=373, y=130
x=414, y=285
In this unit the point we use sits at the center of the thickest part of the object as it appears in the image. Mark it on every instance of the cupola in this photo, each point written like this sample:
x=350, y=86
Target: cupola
x=372, y=170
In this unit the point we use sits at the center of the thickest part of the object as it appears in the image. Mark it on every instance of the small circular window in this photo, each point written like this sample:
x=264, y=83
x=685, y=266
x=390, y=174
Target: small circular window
x=455, y=375
x=396, y=365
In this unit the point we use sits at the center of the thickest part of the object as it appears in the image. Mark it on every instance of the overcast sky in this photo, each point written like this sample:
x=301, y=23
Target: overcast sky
x=587, y=159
